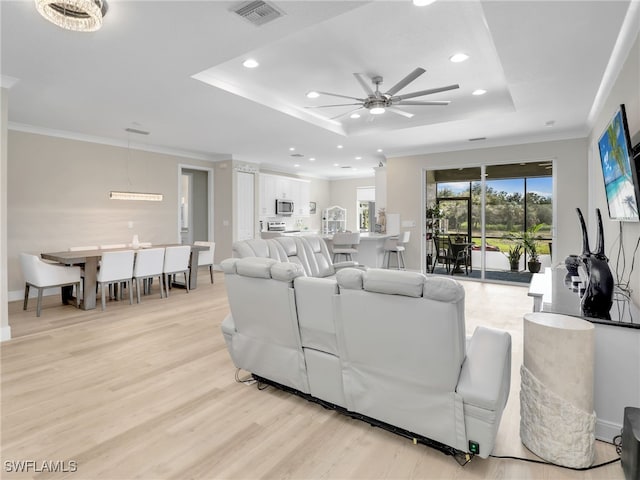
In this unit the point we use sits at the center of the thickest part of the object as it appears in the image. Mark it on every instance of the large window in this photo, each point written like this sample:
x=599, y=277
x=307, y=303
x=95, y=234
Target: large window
x=517, y=197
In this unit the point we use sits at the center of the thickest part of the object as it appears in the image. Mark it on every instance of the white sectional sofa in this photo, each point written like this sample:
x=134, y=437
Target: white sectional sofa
x=380, y=345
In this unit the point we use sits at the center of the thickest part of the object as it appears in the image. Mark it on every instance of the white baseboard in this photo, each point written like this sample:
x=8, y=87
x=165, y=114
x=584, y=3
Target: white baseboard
x=5, y=333
x=605, y=430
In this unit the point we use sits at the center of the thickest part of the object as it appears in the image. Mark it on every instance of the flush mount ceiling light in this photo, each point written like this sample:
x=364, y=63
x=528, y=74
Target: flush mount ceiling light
x=77, y=15
x=458, y=57
x=250, y=63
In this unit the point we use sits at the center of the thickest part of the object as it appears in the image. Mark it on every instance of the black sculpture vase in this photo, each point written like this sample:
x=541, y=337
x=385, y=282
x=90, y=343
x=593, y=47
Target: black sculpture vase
x=598, y=296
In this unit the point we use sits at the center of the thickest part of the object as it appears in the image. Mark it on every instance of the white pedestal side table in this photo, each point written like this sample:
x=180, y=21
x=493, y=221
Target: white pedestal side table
x=557, y=421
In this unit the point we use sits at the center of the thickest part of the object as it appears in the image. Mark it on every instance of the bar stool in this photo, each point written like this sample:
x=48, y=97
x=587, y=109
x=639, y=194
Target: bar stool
x=345, y=243
x=396, y=245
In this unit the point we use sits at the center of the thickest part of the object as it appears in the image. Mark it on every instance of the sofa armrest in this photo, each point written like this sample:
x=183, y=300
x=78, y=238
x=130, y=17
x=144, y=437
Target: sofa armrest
x=339, y=265
x=228, y=326
x=486, y=372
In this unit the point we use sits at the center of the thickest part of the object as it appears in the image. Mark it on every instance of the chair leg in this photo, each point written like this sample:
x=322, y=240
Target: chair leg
x=166, y=285
x=130, y=292
x=104, y=300
x=39, y=304
x=401, y=257
x=186, y=281
x=26, y=296
x=77, y=295
x=211, y=272
x=138, y=284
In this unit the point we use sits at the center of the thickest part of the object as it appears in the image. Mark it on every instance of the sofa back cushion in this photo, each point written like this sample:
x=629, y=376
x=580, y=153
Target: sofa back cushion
x=318, y=256
x=402, y=325
x=258, y=247
x=294, y=252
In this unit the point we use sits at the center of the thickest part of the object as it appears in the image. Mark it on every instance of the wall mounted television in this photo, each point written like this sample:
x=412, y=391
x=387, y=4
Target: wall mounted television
x=619, y=170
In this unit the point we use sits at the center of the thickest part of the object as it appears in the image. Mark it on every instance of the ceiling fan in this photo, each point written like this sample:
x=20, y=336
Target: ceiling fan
x=377, y=102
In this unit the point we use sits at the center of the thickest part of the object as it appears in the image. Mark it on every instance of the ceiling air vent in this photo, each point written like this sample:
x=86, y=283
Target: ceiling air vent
x=258, y=12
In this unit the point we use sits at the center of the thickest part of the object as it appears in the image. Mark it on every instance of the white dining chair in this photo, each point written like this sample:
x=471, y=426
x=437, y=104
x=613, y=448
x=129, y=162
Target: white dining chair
x=116, y=267
x=205, y=257
x=149, y=264
x=41, y=275
x=176, y=260
x=345, y=243
x=396, y=245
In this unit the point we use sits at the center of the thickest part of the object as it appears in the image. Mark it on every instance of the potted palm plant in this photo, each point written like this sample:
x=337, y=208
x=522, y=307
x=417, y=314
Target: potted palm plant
x=530, y=244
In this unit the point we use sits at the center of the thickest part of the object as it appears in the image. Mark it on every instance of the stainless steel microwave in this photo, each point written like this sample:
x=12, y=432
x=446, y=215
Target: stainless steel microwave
x=284, y=207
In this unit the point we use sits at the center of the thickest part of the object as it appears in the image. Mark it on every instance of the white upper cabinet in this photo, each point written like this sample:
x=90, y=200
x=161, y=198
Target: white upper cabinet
x=274, y=187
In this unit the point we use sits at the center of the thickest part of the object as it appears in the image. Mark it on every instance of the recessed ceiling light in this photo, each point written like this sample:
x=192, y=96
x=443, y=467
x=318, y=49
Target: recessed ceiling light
x=459, y=57
x=296, y=165
x=339, y=146
x=291, y=149
x=379, y=150
x=355, y=115
x=313, y=94
x=312, y=159
x=358, y=158
x=423, y=3
x=479, y=91
x=336, y=164
x=250, y=63
x=377, y=110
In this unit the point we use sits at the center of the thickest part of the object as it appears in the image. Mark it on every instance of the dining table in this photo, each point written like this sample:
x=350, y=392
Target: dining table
x=90, y=259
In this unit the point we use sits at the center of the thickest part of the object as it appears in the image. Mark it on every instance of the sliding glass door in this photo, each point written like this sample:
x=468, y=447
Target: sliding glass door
x=492, y=208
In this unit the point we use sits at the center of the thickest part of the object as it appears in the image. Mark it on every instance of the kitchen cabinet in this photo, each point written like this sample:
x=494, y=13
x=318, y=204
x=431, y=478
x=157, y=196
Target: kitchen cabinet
x=273, y=187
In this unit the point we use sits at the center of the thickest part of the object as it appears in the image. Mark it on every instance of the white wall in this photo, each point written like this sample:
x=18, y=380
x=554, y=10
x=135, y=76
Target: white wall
x=625, y=90
x=405, y=183
x=58, y=196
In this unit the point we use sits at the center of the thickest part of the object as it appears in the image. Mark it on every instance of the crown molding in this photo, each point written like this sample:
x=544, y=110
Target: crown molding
x=210, y=157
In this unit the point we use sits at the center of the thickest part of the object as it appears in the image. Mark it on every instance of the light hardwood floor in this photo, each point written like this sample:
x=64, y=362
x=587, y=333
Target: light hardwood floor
x=147, y=391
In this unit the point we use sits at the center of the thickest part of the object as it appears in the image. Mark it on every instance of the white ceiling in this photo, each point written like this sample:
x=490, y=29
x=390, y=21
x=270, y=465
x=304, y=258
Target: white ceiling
x=539, y=62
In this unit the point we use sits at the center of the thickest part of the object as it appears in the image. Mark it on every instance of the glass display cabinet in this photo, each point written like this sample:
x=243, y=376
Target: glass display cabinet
x=334, y=219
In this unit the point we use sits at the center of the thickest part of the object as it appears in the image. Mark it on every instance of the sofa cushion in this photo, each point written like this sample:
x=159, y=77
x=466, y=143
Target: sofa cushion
x=255, y=267
x=350, y=278
x=286, y=272
x=443, y=289
x=229, y=265
x=392, y=282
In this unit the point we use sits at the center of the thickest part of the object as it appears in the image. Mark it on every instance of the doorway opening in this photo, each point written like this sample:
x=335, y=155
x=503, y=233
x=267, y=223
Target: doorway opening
x=195, y=204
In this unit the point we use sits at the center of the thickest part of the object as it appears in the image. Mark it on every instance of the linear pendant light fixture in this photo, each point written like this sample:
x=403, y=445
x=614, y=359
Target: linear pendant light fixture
x=149, y=197
x=77, y=15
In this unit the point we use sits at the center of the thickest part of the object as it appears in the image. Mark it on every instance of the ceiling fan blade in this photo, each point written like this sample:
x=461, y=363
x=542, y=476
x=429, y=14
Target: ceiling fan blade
x=442, y=102
x=425, y=92
x=341, y=96
x=336, y=105
x=346, y=113
x=365, y=85
x=405, y=81
x=400, y=112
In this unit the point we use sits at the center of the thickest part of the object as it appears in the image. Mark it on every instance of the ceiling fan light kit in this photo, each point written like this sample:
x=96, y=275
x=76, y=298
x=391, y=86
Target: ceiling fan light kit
x=76, y=15
x=378, y=103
